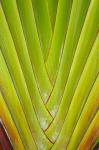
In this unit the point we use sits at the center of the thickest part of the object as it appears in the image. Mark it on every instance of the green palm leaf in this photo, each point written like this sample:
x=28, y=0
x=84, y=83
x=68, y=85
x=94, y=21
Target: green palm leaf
x=49, y=74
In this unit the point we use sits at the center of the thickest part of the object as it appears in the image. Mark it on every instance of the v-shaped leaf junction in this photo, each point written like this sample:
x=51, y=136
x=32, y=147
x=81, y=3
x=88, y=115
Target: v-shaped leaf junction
x=49, y=74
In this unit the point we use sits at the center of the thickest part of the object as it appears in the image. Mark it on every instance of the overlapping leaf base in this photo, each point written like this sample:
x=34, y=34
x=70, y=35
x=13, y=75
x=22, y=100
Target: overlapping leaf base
x=49, y=74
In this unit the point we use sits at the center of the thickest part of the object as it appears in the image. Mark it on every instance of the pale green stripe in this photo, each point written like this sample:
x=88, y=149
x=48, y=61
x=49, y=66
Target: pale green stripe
x=61, y=25
x=33, y=45
x=86, y=116
x=77, y=18
x=22, y=52
x=14, y=106
x=43, y=24
x=85, y=84
x=10, y=56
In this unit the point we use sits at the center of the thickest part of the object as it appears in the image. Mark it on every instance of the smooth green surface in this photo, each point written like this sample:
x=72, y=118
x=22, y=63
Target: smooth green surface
x=12, y=61
x=77, y=18
x=86, y=40
x=49, y=52
x=11, y=98
x=22, y=52
x=86, y=82
x=90, y=73
x=86, y=116
x=43, y=23
x=60, y=29
x=52, y=5
x=34, y=49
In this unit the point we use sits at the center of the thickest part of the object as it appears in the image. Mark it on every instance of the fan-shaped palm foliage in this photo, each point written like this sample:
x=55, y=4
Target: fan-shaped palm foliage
x=49, y=74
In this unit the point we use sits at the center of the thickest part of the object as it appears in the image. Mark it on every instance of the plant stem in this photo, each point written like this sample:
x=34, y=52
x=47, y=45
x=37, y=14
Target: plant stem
x=91, y=134
x=33, y=45
x=86, y=116
x=22, y=52
x=73, y=112
x=43, y=24
x=78, y=14
x=12, y=61
x=61, y=25
x=52, y=5
x=9, y=125
x=14, y=105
